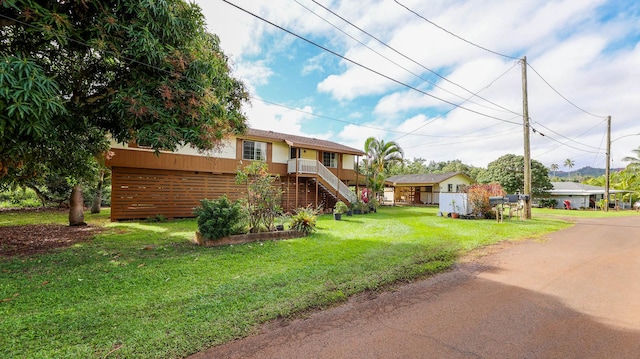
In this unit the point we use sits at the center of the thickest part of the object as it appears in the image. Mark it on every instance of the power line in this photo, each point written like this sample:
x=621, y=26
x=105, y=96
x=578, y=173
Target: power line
x=567, y=138
x=451, y=33
x=385, y=57
x=445, y=113
x=131, y=60
x=408, y=58
x=559, y=94
x=365, y=67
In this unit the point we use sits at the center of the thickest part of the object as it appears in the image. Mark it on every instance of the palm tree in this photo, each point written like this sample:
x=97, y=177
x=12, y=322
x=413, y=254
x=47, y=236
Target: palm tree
x=380, y=156
x=554, y=167
x=634, y=165
x=569, y=163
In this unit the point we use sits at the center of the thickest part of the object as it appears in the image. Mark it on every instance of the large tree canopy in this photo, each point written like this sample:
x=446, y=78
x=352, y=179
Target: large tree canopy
x=508, y=170
x=72, y=72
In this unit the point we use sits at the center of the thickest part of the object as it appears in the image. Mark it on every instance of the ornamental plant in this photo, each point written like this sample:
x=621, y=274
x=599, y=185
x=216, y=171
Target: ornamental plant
x=220, y=218
x=304, y=220
x=340, y=208
x=479, y=194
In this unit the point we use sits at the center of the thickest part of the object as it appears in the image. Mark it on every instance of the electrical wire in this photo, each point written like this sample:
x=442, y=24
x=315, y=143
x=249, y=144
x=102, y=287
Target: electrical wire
x=388, y=59
x=365, y=67
x=452, y=34
x=561, y=95
x=447, y=112
x=410, y=59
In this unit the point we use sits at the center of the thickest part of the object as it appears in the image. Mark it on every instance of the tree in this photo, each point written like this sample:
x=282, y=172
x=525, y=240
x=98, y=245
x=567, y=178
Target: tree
x=74, y=72
x=508, y=170
x=264, y=196
x=569, y=163
x=554, y=167
x=380, y=157
x=634, y=164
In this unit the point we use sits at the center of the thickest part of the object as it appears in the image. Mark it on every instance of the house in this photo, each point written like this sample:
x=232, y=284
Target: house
x=311, y=172
x=424, y=188
x=580, y=195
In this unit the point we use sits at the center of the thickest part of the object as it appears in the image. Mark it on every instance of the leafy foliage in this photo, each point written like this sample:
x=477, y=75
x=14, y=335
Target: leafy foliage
x=508, y=170
x=74, y=72
x=220, y=218
x=304, y=220
x=380, y=157
x=478, y=195
x=340, y=208
x=264, y=196
x=548, y=203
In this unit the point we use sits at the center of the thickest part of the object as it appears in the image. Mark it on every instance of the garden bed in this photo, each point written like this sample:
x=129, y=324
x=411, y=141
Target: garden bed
x=247, y=238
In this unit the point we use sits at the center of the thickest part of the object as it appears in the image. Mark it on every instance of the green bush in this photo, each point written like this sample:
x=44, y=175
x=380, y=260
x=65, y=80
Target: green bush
x=548, y=203
x=220, y=218
x=19, y=198
x=304, y=220
x=340, y=208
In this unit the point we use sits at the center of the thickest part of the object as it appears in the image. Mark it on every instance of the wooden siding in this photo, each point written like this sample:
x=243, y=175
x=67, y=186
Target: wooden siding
x=139, y=193
x=179, y=162
x=142, y=193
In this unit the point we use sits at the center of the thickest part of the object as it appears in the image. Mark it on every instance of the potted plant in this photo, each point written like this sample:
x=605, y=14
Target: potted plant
x=373, y=204
x=339, y=209
x=357, y=207
x=350, y=210
x=281, y=220
x=454, y=209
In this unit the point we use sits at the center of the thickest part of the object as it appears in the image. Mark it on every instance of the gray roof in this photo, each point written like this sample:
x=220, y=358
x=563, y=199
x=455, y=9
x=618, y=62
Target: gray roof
x=303, y=142
x=573, y=188
x=422, y=178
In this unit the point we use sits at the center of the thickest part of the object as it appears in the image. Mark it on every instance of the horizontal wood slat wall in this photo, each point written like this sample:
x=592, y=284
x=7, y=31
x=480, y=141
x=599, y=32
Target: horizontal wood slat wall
x=142, y=193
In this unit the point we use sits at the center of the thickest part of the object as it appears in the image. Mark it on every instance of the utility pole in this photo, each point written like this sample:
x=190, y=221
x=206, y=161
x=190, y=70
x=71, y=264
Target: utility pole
x=608, y=167
x=527, y=145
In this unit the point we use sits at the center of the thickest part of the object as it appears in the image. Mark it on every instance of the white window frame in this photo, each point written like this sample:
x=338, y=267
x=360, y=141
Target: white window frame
x=333, y=159
x=258, y=151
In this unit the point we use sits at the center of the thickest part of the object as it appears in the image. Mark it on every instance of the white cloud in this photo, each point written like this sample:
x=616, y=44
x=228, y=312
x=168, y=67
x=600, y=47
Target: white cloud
x=594, y=64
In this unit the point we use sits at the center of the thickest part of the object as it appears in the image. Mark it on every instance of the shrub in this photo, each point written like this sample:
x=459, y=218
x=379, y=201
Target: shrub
x=220, y=218
x=479, y=194
x=304, y=220
x=340, y=208
x=548, y=203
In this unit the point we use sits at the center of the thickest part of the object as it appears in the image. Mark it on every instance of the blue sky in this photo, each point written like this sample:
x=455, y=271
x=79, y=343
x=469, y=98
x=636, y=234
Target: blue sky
x=587, y=53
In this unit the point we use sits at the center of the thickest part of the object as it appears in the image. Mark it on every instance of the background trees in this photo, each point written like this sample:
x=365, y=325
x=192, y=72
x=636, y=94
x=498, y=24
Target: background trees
x=508, y=171
x=73, y=73
x=569, y=164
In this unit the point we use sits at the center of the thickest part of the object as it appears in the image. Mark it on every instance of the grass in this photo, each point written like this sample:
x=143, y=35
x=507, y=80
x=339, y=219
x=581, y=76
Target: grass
x=144, y=290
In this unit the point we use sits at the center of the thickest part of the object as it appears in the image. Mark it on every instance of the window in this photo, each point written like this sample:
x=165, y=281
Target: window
x=330, y=159
x=450, y=187
x=253, y=150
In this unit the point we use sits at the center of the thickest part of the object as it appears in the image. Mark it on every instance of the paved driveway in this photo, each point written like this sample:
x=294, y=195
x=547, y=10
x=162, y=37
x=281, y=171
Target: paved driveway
x=574, y=294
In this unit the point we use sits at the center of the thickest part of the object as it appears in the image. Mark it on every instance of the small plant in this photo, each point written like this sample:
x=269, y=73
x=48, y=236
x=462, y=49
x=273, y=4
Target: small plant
x=220, y=218
x=304, y=220
x=158, y=218
x=340, y=208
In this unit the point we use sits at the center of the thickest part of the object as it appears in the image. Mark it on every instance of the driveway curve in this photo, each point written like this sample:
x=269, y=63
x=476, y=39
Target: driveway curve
x=573, y=294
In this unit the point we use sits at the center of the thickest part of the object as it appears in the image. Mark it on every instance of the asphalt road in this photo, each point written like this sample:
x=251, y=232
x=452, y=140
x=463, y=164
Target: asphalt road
x=573, y=294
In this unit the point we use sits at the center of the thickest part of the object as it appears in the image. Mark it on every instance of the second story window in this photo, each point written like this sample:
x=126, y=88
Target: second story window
x=254, y=150
x=330, y=159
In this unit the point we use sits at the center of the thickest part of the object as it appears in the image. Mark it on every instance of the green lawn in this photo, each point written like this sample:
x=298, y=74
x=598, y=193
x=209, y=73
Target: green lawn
x=144, y=290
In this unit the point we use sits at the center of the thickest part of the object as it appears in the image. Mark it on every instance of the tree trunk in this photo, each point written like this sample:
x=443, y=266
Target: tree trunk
x=76, y=207
x=97, y=198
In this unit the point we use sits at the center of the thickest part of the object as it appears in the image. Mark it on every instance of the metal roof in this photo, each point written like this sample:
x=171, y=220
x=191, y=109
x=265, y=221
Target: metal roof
x=574, y=188
x=422, y=178
x=302, y=142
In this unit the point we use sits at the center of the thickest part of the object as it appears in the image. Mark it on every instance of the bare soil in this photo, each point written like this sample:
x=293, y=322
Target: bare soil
x=26, y=240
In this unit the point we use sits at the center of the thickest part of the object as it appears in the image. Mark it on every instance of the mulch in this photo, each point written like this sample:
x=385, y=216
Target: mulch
x=26, y=240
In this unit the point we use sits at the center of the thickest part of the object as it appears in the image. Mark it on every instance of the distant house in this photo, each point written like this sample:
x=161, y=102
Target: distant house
x=312, y=172
x=581, y=195
x=423, y=188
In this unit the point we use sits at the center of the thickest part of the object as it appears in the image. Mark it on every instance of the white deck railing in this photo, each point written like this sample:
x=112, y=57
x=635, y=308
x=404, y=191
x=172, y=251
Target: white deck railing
x=315, y=167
